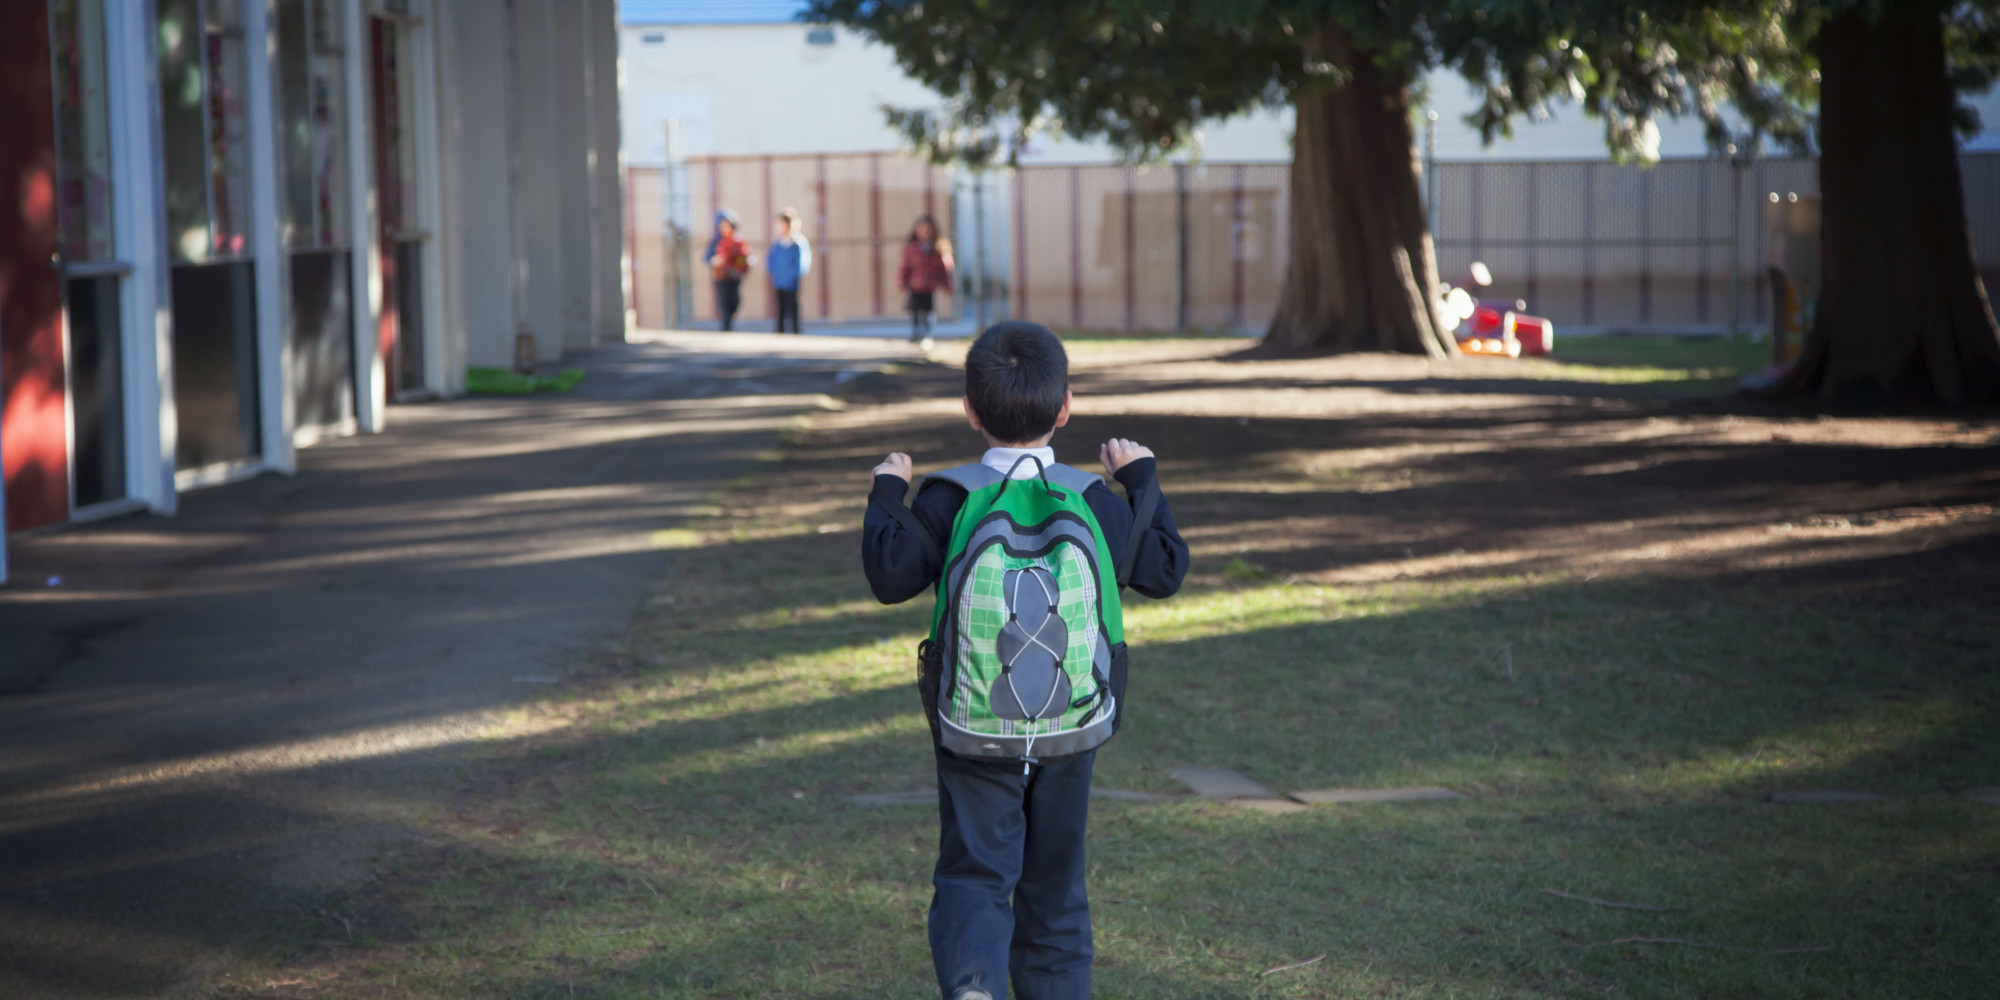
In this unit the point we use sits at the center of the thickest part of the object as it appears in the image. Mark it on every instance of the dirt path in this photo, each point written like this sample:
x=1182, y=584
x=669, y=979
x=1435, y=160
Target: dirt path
x=215, y=726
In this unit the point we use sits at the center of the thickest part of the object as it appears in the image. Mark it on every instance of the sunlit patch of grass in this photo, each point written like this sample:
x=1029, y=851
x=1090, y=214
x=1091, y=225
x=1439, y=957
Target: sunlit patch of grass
x=707, y=848
x=1708, y=361
x=693, y=835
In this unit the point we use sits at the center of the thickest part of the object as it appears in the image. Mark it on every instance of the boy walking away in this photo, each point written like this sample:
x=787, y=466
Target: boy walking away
x=789, y=259
x=924, y=271
x=729, y=257
x=1023, y=676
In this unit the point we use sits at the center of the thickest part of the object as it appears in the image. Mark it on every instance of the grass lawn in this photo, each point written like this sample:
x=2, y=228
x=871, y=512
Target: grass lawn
x=1709, y=364
x=1617, y=626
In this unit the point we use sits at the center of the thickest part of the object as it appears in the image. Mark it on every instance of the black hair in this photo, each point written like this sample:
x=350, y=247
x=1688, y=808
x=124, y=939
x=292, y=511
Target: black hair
x=936, y=233
x=1016, y=377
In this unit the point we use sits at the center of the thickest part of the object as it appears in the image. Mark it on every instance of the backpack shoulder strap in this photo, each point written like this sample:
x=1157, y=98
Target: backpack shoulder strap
x=1142, y=522
x=969, y=477
x=966, y=477
x=908, y=519
x=1073, y=479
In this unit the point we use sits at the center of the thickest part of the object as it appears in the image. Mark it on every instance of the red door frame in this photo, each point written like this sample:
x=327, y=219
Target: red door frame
x=383, y=107
x=34, y=433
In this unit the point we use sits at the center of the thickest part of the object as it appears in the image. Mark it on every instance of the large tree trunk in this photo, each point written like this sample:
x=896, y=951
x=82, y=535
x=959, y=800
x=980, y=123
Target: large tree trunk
x=1902, y=313
x=1363, y=275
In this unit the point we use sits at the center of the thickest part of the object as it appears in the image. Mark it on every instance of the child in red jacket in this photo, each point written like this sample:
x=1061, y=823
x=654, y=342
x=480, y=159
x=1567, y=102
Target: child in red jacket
x=925, y=270
x=729, y=256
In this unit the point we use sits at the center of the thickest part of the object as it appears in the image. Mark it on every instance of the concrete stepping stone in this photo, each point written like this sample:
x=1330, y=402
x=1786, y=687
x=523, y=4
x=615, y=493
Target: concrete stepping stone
x=1989, y=795
x=1376, y=795
x=1273, y=807
x=1824, y=796
x=1220, y=783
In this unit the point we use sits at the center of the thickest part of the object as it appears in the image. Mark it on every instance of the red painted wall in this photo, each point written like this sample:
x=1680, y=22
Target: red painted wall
x=33, y=446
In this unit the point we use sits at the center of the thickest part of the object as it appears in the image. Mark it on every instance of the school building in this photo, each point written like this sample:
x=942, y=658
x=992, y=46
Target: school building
x=232, y=228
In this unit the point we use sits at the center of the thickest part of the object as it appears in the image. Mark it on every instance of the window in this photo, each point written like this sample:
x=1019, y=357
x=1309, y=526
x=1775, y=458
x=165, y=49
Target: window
x=83, y=132
x=204, y=131
x=313, y=120
x=819, y=36
x=84, y=235
x=395, y=127
x=653, y=38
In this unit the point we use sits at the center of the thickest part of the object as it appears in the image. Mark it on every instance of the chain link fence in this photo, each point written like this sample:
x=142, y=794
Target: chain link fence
x=1679, y=246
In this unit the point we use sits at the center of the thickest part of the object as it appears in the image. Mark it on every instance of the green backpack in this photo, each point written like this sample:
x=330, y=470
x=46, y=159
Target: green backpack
x=1026, y=656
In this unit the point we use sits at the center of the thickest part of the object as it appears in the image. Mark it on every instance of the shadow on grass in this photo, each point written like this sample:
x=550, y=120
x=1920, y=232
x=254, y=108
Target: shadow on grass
x=672, y=857
x=691, y=836
x=1621, y=761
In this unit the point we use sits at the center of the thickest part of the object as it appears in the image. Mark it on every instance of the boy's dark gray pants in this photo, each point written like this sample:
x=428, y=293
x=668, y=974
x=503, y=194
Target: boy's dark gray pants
x=1010, y=902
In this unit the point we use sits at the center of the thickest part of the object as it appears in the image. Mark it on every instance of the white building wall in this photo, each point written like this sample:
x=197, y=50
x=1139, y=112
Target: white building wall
x=538, y=252
x=571, y=152
x=761, y=88
x=607, y=165
x=477, y=137
x=534, y=209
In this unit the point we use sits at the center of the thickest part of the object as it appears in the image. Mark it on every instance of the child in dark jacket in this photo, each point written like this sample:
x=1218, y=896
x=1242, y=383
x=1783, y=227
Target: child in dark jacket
x=1009, y=901
x=924, y=271
x=729, y=258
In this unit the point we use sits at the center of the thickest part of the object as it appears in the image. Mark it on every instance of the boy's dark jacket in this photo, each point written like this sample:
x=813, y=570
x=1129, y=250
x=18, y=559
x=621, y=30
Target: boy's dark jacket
x=899, y=568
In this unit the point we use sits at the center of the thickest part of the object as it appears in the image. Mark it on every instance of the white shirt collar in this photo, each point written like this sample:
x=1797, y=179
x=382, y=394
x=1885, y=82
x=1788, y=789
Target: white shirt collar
x=1002, y=459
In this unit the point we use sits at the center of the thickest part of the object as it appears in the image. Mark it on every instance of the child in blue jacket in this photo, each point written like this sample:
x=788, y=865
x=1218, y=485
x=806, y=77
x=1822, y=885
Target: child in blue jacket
x=790, y=258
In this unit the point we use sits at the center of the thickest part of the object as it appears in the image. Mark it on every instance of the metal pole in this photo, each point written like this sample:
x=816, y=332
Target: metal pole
x=982, y=277
x=1737, y=163
x=670, y=272
x=676, y=264
x=1180, y=247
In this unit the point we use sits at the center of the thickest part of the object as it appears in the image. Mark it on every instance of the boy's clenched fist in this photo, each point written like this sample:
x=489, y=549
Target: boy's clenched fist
x=1119, y=452
x=897, y=464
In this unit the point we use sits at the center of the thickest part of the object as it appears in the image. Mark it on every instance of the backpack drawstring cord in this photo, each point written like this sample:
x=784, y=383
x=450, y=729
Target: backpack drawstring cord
x=1041, y=472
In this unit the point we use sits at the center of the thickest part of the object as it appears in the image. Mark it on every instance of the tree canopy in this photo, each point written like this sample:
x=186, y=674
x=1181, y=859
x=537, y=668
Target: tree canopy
x=1143, y=74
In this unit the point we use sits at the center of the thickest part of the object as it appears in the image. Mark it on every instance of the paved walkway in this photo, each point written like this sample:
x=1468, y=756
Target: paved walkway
x=215, y=721
x=962, y=328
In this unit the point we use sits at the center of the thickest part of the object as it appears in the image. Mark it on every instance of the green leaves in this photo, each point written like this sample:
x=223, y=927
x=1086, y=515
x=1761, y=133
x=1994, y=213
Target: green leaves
x=1144, y=73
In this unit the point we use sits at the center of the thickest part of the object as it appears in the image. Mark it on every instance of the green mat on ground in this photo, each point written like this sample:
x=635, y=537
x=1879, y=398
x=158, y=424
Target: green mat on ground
x=503, y=382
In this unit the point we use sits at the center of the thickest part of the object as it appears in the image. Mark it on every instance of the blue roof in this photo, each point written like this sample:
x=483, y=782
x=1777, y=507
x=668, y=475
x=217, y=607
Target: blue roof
x=709, y=11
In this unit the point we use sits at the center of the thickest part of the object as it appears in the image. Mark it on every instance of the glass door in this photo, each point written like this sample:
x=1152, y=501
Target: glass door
x=91, y=267
x=402, y=234
x=205, y=143
x=312, y=139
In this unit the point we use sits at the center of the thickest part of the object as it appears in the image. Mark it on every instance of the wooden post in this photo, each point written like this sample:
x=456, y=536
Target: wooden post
x=875, y=229
x=820, y=259
x=1020, y=244
x=1131, y=238
x=1180, y=247
x=770, y=213
x=1075, y=247
x=1236, y=227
